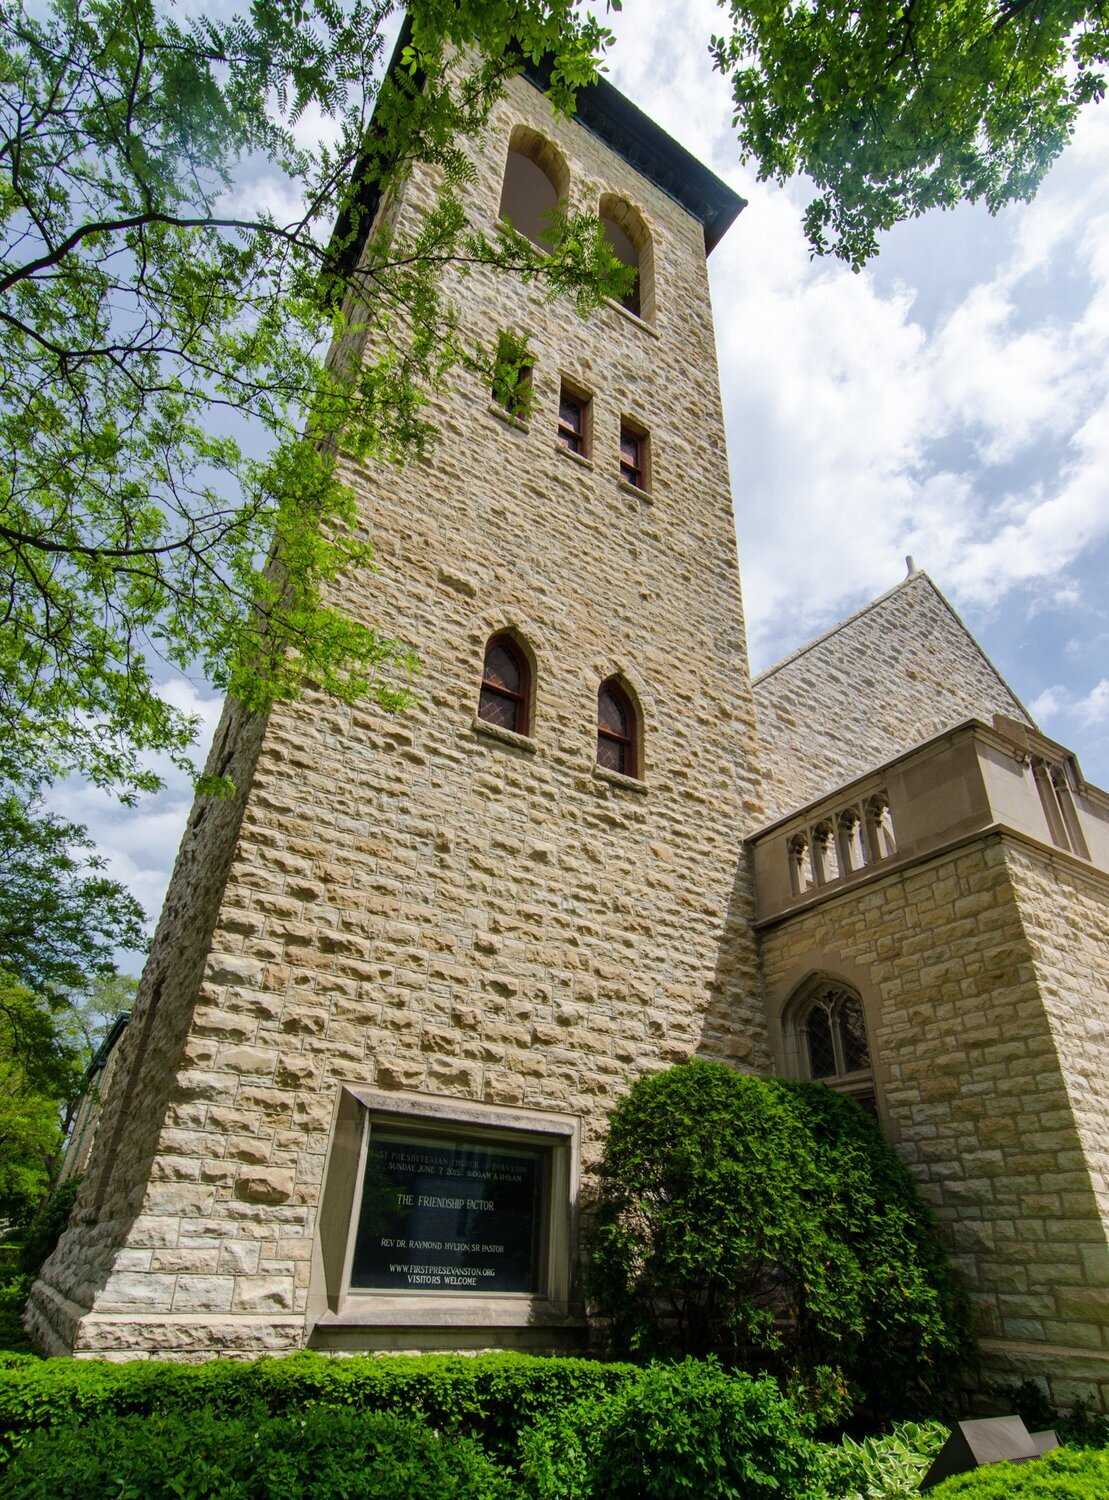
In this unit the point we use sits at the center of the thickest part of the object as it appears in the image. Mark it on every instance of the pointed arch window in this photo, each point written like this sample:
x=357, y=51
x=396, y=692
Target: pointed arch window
x=617, y=730
x=831, y=1041
x=505, y=686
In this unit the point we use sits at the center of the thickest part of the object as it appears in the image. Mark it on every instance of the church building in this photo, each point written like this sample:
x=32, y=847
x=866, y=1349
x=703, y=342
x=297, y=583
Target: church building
x=402, y=977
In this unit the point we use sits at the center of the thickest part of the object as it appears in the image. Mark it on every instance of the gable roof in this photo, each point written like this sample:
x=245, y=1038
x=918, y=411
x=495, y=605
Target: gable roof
x=897, y=672
x=877, y=603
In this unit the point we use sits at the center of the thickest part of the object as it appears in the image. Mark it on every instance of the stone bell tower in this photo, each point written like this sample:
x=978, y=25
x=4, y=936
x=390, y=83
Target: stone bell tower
x=400, y=980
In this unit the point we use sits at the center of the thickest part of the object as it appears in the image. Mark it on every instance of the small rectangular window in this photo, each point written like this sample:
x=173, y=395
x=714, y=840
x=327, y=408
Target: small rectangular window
x=633, y=455
x=512, y=375
x=574, y=414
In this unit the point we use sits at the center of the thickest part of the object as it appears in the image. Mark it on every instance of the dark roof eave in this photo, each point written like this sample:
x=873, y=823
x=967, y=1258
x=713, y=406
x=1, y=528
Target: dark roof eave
x=623, y=126
x=633, y=135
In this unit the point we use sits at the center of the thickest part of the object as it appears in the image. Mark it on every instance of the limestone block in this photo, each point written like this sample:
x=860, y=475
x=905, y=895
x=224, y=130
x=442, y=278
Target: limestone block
x=258, y=1061
x=259, y=1294
x=239, y=1257
x=393, y=1073
x=226, y=968
x=131, y=1289
x=195, y=1084
x=296, y=1071
x=265, y=1185
x=150, y=1229
x=203, y=1293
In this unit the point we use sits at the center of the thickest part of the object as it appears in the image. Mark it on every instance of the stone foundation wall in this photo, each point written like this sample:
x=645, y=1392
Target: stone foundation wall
x=414, y=904
x=969, y=1006
x=901, y=670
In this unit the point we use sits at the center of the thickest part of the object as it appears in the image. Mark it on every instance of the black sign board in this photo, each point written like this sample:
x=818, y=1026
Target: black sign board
x=449, y=1214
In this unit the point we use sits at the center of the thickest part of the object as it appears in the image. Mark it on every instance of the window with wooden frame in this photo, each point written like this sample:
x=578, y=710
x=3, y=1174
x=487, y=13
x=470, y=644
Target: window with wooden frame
x=634, y=455
x=617, y=730
x=505, y=686
x=574, y=420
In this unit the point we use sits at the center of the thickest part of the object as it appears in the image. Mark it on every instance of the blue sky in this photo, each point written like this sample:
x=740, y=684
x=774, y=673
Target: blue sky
x=951, y=402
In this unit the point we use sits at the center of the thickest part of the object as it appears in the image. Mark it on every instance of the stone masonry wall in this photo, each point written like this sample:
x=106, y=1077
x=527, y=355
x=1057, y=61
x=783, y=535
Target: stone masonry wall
x=415, y=905
x=123, y=1242
x=955, y=959
x=1065, y=913
x=891, y=676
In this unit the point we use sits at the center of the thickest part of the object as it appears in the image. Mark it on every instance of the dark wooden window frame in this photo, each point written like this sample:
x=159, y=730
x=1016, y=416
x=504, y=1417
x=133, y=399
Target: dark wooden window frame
x=575, y=438
x=519, y=698
x=634, y=472
x=611, y=745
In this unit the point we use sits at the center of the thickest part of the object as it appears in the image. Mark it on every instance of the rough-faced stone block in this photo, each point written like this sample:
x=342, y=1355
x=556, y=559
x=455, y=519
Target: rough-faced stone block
x=265, y=1185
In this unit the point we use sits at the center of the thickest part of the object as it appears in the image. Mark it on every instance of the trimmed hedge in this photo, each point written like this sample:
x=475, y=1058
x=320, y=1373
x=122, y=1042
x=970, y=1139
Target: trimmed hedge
x=1065, y=1474
x=687, y=1430
x=323, y=1454
x=491, y=1397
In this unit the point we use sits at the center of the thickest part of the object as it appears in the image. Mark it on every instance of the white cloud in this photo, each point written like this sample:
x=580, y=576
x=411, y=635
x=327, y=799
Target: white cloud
x=853, y=421
x=1059, y=701
x=1094, y=707
x=1048, y=704
x=1007, y=384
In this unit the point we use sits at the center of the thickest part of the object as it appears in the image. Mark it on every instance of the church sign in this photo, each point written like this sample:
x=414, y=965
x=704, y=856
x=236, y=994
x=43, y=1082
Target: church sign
x=449, y=1213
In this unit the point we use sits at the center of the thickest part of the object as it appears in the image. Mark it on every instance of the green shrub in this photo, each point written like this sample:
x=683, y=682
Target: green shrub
x=681, y=1430
x=489, y=1397
x=353, y=1455
x=770, y=1223
x=13, y=1299
x=1065, y=1474
x=882, y=1468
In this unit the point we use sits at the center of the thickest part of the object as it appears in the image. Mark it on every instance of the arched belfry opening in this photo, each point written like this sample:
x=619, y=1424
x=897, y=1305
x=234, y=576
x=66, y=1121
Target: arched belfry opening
x=536, y=182
x=627, y=233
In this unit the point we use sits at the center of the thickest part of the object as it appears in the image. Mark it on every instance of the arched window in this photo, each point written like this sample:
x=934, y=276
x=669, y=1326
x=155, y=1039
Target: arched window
x=831, y=1041
x=630, y=239
x=505, y=685
x=536, y=180
x=617, y=730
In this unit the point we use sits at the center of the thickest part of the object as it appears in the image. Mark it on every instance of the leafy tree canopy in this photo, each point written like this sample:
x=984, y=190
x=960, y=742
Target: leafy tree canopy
x=40, y=1072
x=61, y=916
x=144, y=302
x=894, y=108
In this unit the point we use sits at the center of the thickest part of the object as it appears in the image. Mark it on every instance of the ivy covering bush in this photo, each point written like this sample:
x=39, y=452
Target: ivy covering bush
x=491, y=1397
x=322, y=1454
x=1065, y=1474
x=680, y=1430
x=769, y=1223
